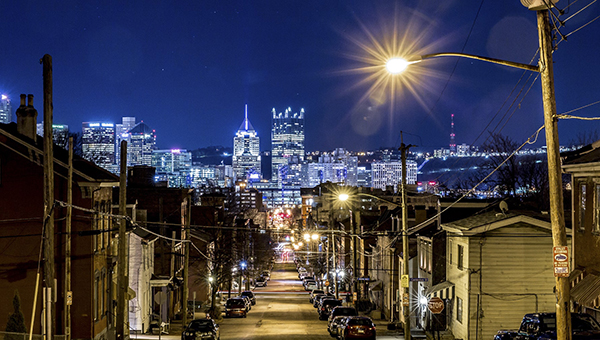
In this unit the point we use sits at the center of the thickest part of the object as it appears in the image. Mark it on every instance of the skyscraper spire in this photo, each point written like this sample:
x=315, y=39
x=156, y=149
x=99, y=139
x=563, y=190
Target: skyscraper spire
x=246, y=117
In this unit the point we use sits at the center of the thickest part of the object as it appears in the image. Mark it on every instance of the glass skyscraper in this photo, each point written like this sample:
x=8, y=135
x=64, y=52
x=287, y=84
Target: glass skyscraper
x=246, y=151
x=5, y=110
x=98, y=143
x=287, y=139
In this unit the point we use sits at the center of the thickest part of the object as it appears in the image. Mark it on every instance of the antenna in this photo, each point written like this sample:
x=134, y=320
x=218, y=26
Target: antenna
x=246, y=117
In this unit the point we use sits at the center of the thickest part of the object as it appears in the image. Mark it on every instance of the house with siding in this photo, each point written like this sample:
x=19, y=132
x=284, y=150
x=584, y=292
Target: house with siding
x=584, y=167
x=500, y=266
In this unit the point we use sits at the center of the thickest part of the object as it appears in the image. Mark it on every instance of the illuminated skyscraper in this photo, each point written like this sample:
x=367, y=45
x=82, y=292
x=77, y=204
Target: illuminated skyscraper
x=246, y=151
x=141, y=140
x=386, y=174
x=98, y=143
x=287, y=139
x=5, y=110
x=60, y=134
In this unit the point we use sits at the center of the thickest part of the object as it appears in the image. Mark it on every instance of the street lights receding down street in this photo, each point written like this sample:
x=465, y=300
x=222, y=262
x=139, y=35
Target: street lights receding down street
x=396, y=65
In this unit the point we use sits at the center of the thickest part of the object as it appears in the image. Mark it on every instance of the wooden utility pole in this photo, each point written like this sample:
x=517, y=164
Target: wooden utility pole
x=68, y=292
x=122, y=278
x=186, y=259
x=405, y=246
x=557, y=218
x=48, y=194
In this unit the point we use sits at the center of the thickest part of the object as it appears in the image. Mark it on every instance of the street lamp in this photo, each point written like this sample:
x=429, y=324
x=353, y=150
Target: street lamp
x=545, y=68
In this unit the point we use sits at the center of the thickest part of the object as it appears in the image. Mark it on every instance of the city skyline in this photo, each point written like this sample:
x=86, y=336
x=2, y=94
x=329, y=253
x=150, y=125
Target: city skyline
x=191, y=80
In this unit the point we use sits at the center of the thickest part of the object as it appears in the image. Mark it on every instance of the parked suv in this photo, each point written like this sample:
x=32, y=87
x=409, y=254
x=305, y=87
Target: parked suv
x=326, y=308
x=250, y=295
x=341, y=311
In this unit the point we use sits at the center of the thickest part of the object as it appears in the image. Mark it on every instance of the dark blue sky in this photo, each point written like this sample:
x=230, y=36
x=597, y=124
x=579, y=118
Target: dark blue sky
x=187, y=68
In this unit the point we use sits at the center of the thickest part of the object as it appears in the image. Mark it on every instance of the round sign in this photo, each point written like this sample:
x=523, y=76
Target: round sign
x=327, y=283
x=435, y=305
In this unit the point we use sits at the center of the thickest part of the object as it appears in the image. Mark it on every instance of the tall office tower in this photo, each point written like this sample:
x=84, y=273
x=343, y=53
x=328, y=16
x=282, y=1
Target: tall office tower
x=246, y=151
x=173, y=166
x=127, y=123
x=287, y=139
x=60, y=134
x=5, y=110
x=452, y=141
x=141, y=140
x=98, y=143
x=386, y=174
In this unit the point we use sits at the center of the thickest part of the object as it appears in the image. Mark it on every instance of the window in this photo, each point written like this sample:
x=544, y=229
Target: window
x=450, y=253
x=459, y=260
x=459, y=309
x=596, y=227
x=582, y=206
x=96, y=295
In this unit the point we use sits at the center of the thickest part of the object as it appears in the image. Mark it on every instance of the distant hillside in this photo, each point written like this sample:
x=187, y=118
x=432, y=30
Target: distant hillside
x=212, y=155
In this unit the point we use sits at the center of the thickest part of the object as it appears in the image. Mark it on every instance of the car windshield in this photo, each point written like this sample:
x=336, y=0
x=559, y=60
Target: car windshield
x=360, y=322
x=345, y=311
x=235, y=304
x=200, y=326
x=249, y=294
x=315, y=292
x=584, y=323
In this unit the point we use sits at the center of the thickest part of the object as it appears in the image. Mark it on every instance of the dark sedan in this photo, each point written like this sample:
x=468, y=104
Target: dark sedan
x=357, y=327
x=201, y=329
x=326, y=307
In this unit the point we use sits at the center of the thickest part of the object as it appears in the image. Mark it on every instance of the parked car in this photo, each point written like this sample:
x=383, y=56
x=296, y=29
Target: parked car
x=310, y=285
x=260, y=282
x=201, y=329
x=250, y=295
x=543, y=326
x=313, y=293
x=326, y=307
x=266, y=274
x=334, y=325
x=357, y=327
x=341, y=311
x=235, y=307
x=319, y=299
x=247, y=300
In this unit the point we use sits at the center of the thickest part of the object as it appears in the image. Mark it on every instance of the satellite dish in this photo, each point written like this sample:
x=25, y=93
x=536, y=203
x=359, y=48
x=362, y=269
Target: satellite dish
x=504, y=207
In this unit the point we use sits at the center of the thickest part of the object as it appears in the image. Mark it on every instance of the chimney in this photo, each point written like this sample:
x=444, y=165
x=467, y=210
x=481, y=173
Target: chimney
x=27, y=118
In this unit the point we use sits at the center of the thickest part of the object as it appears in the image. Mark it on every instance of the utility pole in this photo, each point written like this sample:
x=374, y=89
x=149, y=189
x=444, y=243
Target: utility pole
x=405, y=247
x=122, y=278
x=186, y=259
x=68, y=292
x=48, y=197
x=557, y=218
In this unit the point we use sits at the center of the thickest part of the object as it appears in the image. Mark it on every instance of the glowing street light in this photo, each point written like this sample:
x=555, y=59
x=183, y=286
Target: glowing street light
x=343, y=197
x=315, y=236
x=396, y=65
x=306, y=237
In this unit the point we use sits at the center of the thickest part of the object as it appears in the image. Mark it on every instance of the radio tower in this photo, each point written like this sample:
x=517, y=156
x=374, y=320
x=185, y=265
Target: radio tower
x=452, y=141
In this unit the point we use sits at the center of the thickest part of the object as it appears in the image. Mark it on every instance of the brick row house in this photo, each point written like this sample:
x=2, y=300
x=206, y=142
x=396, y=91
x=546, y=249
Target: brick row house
x=22, y=223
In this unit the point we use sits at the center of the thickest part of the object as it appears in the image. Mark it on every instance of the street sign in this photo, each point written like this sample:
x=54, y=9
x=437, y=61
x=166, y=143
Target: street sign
x=354, y=297
x=327, y=283
x=435, y=305
x=404, y=281
x=560, y=256
x=419, y=279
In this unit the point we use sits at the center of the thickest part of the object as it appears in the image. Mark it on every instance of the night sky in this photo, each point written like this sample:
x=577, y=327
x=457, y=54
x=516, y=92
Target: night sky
x=187, y=68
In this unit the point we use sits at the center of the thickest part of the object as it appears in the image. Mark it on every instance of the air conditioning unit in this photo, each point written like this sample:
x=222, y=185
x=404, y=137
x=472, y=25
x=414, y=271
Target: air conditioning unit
x=538, y=5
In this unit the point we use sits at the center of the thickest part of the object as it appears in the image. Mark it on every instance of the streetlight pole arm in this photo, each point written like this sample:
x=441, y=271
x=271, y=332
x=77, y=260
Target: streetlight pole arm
x=527, y=67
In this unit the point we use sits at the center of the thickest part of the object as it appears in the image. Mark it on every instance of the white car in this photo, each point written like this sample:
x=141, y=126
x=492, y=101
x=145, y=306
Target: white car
x=311, y=286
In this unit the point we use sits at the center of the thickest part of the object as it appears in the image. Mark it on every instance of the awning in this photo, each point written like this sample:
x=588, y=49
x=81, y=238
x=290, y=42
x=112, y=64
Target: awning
x=444, y=290
x=376, y=286
x=587, y=290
